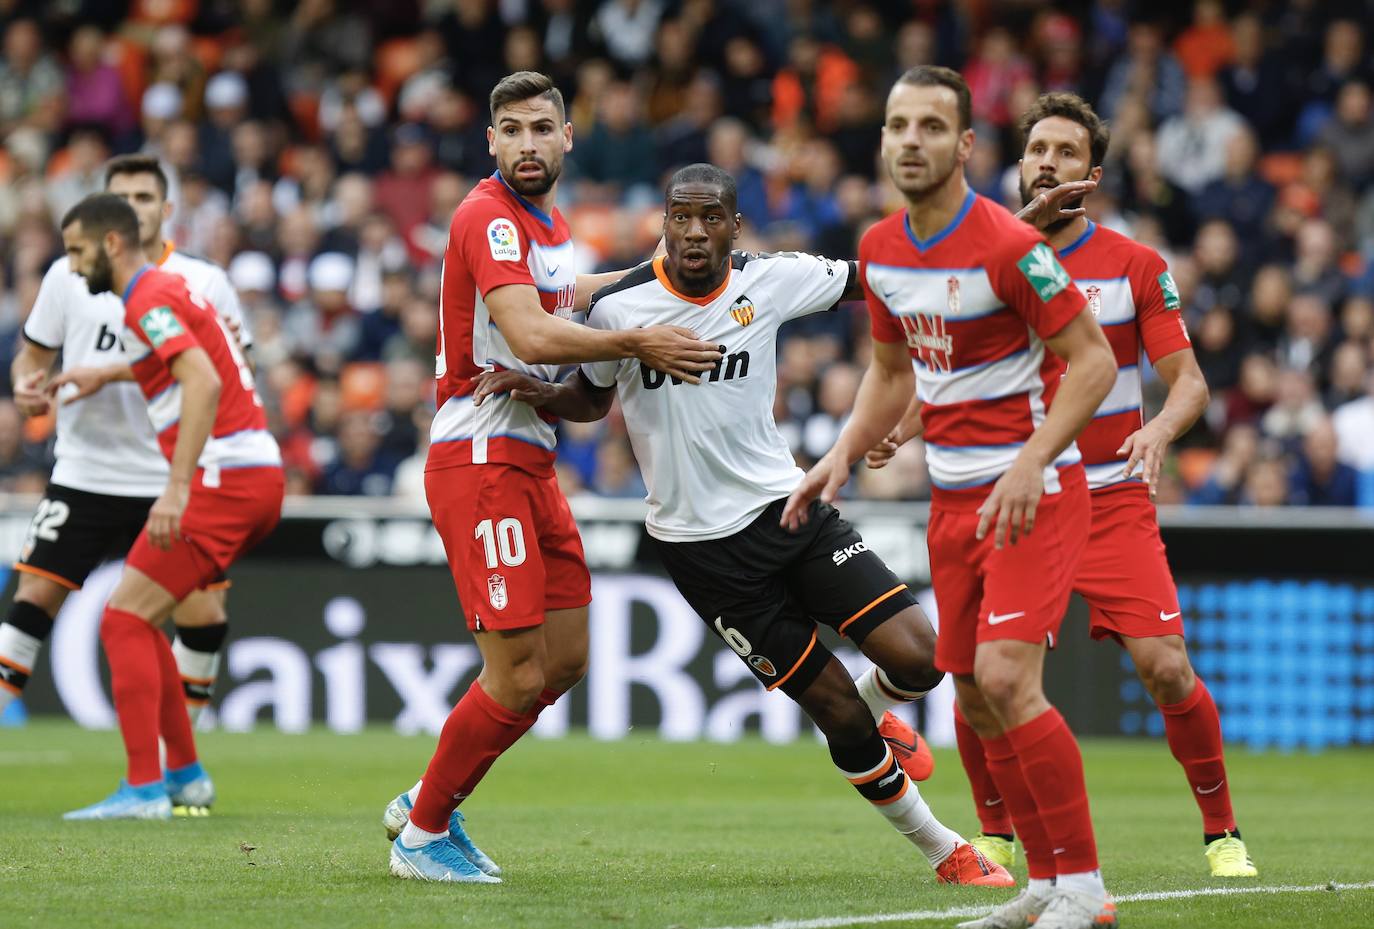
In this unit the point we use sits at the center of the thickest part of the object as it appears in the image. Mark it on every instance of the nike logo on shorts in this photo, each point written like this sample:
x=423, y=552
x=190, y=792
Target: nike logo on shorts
x=997, y=802
x=994, y=619
x=1165, y=617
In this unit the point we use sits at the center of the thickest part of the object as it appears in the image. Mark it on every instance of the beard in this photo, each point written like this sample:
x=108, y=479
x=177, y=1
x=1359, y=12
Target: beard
x=533, y=186
x=101, y=278
x=1030, y=193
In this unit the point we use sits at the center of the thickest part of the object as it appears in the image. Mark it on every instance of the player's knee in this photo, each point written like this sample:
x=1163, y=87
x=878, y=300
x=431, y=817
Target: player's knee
x=565, y=674
x=843, y=718
x=1167, y=675
x=1002, y=686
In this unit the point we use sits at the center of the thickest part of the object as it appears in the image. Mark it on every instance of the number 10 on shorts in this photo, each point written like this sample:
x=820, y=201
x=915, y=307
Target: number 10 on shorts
x=506, y=540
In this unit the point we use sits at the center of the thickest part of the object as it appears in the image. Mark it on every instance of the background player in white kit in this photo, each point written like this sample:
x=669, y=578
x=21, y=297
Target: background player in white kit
x=109, y=468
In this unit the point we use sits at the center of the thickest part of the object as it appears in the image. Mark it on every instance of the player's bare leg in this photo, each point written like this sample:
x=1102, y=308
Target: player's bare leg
x=37, y=600
x=147, y=696
x=902, y=650
x=867, y=761
x=1035, y=762
x=1192, y=727
x=202, y=624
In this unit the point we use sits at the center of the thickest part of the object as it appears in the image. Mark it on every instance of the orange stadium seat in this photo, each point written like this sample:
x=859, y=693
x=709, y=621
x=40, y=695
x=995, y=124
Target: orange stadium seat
x=396, y=60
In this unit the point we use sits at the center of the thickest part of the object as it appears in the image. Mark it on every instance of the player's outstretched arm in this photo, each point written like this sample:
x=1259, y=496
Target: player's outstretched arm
x=1188, y=398
x=88, y=380
x=200, y=388
x=1049, y=206
x=538, y=338
x=1010, y=508
x=27, y=373
x=575, y=398
x=909, y=428
x=884, y=395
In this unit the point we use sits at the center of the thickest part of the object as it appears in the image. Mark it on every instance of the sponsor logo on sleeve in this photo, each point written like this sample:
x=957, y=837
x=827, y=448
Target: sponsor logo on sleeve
x=1043, y=270
x=1166, y=284
x=503, y=240
x=160, y=324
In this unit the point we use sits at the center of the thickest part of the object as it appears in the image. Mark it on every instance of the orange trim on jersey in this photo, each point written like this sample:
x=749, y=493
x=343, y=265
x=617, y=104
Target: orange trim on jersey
x=168, y=246
x=193, y=702
x=39, y=572
x=876, y=773
x=906, y=785
x=11, y=688
x=891, y=593
x=783, y=680
x=218, y=585
x=202, y=681
x=662, y=275
x=15, y=665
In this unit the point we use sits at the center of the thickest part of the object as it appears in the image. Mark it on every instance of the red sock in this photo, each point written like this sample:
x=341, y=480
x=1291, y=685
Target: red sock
x=1053, y=768
x=1004, y=769
x=993, y=815
x=1193, y=728
x=475, y=734
x=174, y=723
x=135, y=675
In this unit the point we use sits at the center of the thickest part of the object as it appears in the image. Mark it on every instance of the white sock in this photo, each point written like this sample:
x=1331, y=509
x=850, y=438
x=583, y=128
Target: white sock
x=412, y=836
x=1084, y=882
x=197, y=668
x=1039, y=886
x=414, y=792
x=911, y=816
x=18, y=649
x=880, y=694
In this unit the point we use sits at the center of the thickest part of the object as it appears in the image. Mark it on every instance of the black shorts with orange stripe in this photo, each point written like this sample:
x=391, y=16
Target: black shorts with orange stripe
x=74, y=531
x=764, y=589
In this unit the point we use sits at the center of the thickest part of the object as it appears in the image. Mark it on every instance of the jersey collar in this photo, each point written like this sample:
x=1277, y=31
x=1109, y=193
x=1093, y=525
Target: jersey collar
x=1079, y=242
x=926, y=244
x=168, y=246
x=133, y=281
x=530, y=208
x=661, y=273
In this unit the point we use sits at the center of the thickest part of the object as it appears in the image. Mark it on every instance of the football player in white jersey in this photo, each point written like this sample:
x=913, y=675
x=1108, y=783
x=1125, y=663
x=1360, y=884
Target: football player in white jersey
x=109, y=469
x=719, y=473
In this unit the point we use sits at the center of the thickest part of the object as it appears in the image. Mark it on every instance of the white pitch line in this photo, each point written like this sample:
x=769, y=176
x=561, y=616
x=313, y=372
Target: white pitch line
x=833, y=922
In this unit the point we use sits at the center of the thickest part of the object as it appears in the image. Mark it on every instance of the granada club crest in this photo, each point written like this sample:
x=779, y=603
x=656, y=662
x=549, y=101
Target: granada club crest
x=952, y=285
x=496, y=592
x=743, y=310
x=1095, y=300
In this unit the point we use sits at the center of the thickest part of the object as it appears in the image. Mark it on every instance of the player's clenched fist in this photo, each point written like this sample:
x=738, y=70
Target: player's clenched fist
x=676, y=351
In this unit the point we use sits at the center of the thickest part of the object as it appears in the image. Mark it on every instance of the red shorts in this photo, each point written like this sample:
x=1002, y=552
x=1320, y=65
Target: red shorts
x=1019, y=592
x=512, y=544
x=1124, y=575
x=219, y=525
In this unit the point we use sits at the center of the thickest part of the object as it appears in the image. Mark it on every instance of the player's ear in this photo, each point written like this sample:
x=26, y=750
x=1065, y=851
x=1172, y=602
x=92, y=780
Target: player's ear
x=167, y=210
x=567, y=138
x=738, y=229
x=491, y=141
x=1095, y=174
x=965, y=149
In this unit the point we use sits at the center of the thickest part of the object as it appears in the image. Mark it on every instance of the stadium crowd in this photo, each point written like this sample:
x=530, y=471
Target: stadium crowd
x=319, y=148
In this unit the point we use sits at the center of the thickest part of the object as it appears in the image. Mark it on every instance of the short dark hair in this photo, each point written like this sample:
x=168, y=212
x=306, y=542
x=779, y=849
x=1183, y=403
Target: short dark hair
x=100, y=214
x=702, y=173
x=137, y=164
x=525, y=85
x=936, y=76
x=1072, y=107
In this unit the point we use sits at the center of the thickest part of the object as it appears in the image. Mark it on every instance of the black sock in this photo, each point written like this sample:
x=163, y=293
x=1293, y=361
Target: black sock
x=208, y=639
x=30, y=619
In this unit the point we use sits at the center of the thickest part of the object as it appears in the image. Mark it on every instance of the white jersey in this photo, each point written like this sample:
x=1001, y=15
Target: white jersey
x=105, y=442
x=711, y=454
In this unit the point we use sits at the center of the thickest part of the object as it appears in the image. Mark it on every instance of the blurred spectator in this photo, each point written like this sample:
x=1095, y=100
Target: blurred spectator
x=810, y=87
x=226, y=106
x=617, y=475
x=31, y=84
x=1350, y=134
x=84, y=173
x=402, y=192
x=1148, y=71
x=1296, y=410
x=1193, y=145
x=1256, y=83
x=626, y=28
x=1266, y=483
x=1240, y=196
x=361, y=467
x=992, y=74
x=95, y=94
x=1206, y=45
x=1354, y=425
x=1318, y=478
x=1223, y=483
x=618, y=154
x=1305, y=345
x=325, y=325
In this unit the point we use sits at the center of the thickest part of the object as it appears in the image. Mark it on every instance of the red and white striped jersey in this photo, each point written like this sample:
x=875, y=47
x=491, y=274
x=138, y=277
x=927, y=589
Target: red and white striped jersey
x=974, y=303
x=1134, y=298
x=497, y=237
x=165, y=319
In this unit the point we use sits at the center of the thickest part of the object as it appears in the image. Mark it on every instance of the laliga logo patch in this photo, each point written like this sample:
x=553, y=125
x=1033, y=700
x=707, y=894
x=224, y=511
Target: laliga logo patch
x=763, y=665
x=1095, y=300
x=743, y=310
x=496, y=592
x=503, y=240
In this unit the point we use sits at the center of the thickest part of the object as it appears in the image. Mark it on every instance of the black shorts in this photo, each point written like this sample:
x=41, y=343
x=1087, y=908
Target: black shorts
x=75, y=531
x=764, y=589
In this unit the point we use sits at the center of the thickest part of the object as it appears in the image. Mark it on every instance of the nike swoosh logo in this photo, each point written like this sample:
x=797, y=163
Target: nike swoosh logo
x=1060, y=851
x=889, y=779
x=997, y=802
x=994, y=619
x=553, y=270
x=1210, y=790
x=1165, y=617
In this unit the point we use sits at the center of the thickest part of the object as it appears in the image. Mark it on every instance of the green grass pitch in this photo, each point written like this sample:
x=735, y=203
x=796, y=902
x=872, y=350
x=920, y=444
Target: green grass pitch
x=637, y=834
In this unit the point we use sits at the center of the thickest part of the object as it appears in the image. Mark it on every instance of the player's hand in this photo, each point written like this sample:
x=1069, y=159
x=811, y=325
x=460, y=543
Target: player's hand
x=1146, y=447
x=1048, y=207
x=676, y=352
x=29, y=395
x=879, y=455
x=521, y=387
x=824, y=480
x=164, y=519
x=1010, y=508
x=86, y=380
